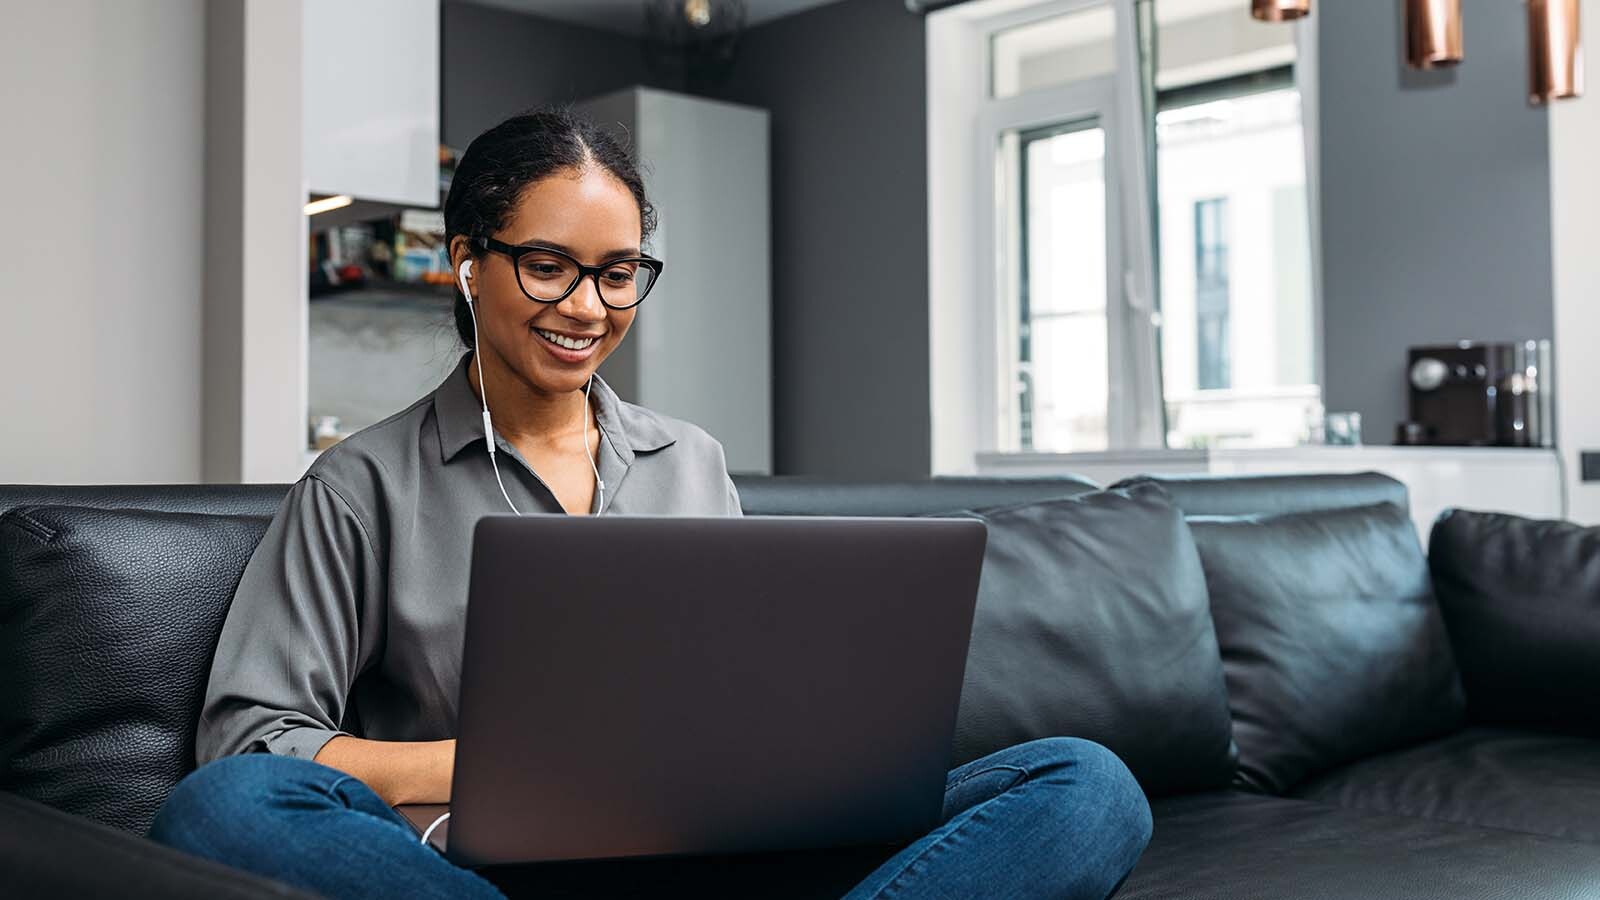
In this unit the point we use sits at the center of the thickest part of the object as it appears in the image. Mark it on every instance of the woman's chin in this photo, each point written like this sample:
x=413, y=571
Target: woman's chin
x=556, y=378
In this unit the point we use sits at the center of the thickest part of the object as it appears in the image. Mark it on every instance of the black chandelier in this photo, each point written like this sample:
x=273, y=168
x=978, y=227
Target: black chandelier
x=693, y=41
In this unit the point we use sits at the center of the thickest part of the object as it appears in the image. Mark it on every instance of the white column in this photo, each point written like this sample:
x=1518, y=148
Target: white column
x=1575, y=206
x=254, y=355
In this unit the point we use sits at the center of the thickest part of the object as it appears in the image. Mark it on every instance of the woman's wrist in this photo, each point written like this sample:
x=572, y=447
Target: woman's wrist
x=399, y=772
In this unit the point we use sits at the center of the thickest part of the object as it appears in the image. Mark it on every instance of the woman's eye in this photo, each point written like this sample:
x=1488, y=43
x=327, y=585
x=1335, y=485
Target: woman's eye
x=544, y=270
x=619, y=277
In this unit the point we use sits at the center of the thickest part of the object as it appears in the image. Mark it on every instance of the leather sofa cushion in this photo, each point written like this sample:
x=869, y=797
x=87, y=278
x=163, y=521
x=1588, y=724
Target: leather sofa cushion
x=1249, y=847
x=1092, y=622
x=801, y=495
x=213, y=499
x=1522, y=601
x=1332, y=643
x=1274, y=495
x=108, y=622
x=1499, y=778
x=45, y=852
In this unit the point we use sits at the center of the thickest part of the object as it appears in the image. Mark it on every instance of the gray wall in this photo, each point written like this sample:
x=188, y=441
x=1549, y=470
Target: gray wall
x=845, y=84
x=1435, y=201
x=494, y=63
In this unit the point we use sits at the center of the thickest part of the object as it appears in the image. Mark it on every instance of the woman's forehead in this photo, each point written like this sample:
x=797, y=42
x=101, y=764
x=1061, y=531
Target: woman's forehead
x=586, y=209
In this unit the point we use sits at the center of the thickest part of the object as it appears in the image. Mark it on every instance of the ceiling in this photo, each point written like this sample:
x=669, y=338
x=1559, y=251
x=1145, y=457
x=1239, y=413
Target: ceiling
x=627, y=16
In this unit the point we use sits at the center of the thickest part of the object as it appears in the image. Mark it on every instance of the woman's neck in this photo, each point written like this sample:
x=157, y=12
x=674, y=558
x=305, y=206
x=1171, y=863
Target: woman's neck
x=523, y=413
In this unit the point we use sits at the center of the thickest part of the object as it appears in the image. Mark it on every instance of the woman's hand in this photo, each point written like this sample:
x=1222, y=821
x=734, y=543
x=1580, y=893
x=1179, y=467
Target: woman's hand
x=398, y=771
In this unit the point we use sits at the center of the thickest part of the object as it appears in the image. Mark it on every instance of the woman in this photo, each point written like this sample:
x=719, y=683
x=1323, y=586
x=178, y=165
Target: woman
x=333, y=693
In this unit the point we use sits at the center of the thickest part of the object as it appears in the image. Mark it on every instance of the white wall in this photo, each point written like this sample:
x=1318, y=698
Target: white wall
x=1575, y=208
x=100, y=288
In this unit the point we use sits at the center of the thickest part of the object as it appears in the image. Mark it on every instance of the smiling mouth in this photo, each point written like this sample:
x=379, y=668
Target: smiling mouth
x=567, y=342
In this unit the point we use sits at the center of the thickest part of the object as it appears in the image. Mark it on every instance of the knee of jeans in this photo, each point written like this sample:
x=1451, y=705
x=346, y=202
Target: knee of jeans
x=234, y=789
x=1103, y=776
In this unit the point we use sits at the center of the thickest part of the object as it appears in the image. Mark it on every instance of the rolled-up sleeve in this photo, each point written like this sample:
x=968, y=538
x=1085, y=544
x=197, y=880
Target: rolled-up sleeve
x=304, y=623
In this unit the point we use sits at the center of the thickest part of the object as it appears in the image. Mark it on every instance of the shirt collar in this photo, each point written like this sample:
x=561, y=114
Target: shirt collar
x=629, y=429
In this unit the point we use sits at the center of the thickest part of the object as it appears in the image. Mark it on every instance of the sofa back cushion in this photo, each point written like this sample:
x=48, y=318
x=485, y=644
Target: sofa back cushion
x=1522, y=601
x=216, y=499
x=108, y=622
x=1275, y=495
x=1332, y=642
x=804, y=495
x=1092, y=622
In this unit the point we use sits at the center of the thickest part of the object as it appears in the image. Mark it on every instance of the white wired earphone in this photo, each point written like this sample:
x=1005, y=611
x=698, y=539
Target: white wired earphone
x=436, y=823
x=488, y=425
x=488, y=440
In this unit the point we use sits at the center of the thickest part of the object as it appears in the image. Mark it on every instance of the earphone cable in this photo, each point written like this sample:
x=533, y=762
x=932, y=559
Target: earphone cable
x=600, y=485
x=436, y=823
x=488, y=424
x=483, y=389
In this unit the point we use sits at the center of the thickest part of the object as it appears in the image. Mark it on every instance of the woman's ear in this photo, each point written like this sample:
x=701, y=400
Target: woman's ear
x=461, y=253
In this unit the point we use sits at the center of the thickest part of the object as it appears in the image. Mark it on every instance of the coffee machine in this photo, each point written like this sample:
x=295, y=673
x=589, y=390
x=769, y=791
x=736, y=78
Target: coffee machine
x=1480, y=394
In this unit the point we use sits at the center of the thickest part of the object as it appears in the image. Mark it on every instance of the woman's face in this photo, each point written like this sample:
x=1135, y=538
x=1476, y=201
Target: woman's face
x=592, y=216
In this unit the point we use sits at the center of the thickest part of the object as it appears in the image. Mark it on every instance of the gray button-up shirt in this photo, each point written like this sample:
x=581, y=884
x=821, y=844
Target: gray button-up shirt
x=349, y=618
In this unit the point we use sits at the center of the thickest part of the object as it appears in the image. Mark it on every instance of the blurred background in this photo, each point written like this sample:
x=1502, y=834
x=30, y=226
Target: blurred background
x=903, y=238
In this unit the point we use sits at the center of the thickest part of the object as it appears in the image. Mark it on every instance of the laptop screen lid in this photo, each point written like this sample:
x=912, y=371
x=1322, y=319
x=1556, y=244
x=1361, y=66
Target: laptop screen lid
x=642, y=686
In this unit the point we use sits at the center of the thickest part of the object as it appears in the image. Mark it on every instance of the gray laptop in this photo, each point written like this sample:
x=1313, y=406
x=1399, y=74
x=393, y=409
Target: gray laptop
x=641, y=686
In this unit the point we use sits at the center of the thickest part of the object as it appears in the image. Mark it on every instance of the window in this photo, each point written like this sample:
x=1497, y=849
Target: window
x=1055, y=151
x=1211, y=292
x=1054, y=51
x=1061, y=307
x=1138, y=203
x=1235, y=259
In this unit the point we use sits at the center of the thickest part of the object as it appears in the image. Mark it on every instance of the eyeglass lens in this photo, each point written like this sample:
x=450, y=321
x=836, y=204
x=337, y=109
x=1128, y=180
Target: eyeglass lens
x=549, y=276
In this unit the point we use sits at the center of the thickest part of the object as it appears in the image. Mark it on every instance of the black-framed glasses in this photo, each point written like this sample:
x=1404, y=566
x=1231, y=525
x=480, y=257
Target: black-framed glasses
x=548, y=275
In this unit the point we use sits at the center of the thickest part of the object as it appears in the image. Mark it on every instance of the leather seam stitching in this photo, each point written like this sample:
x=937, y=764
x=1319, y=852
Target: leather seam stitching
x=33, y=526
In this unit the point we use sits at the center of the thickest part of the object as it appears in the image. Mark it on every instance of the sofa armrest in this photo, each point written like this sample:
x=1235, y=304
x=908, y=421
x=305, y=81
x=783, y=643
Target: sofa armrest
x=48, y=853
x=1521, y=599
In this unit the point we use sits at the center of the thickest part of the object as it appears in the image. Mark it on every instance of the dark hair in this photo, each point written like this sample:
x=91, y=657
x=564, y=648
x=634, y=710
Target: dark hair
x=503, y=161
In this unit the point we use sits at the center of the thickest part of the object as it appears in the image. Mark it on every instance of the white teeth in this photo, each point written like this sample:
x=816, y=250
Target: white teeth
x=562, y=340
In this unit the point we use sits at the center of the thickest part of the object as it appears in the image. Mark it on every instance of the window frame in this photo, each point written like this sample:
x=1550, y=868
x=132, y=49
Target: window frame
x=1081, y=101
x=967, y=391
x=1116, y=100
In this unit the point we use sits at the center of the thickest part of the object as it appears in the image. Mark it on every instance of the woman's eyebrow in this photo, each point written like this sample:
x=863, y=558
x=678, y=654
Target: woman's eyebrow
x=553, y=245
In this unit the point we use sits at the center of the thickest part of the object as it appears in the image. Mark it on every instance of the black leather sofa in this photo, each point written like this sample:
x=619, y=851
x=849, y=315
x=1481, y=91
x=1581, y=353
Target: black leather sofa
x=1315, y=708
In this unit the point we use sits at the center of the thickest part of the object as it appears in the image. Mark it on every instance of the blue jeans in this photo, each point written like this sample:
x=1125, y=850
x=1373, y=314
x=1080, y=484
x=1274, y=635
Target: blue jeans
x=1056, y=818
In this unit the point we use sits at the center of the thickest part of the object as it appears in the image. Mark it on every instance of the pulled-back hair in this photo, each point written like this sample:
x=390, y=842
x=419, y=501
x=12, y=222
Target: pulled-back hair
x=502, y=162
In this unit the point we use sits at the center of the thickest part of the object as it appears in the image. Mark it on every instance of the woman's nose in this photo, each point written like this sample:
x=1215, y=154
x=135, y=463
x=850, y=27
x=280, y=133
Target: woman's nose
x=584, y=302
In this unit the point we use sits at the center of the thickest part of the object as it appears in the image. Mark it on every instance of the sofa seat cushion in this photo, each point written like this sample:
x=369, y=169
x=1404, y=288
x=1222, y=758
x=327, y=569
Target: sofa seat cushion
x=1092, y=622
x=1252, y=847
x=1333, y=645
x=45, y=852
x=108, y=622
x=1521, y=598
x=1500, y=778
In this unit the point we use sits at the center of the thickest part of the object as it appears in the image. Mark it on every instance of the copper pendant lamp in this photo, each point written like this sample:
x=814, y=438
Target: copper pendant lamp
x=1433, y=33
x=1555, y=51
x=1280, y=10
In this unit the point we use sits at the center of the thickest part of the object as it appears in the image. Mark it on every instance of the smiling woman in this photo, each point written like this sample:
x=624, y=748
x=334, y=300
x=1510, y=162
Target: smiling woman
x=356, y=596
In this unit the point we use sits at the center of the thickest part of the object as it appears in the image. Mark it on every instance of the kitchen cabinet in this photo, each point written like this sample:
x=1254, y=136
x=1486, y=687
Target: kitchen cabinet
x=370, y=90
